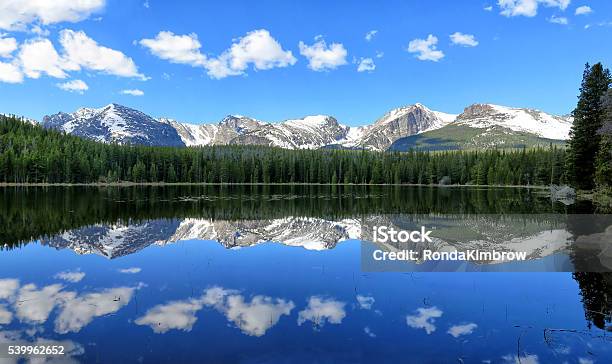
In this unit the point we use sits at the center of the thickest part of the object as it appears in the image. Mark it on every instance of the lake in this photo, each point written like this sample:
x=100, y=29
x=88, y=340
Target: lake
x=268, y=274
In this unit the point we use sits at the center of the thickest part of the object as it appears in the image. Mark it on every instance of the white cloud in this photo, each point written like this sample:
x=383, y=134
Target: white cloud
x=366, y=65
x=465, y=329
x=466, y=40
x=600, y=24
x=380, y=54
x=370, y=35
x=6, y=316
x=7, y=46
x=528, y=8
x=561, y=4
x=78, y=312
x=76, y=276
x=321, y=310
x=322, y=57
x=132, y=92
x=488, y=8
x=8, y=286
x=16, y=15
x=369, y=332
x=146, y=4
x=424, y=319
x=176, y=48
x=177, y=315
x=558, y=20
x=257, y=47
x=81, y=51
x=583, y=10
x=132, y=270
x=525, y=359
x=38, y=56
x=426, y=49
x=365, y=302
x=585, y=361
x=34, y=305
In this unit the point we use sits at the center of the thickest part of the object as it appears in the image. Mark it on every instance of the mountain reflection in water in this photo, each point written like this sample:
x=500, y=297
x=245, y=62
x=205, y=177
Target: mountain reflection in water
x=178, y=289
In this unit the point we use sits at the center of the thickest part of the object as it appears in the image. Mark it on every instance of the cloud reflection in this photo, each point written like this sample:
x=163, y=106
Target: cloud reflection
x=321, y=310
x=256, y=317
x=178, y=315
x=365, y=302
x=72, y=277
x=8, y=287
x=33, y=305
x=525, y=359
x=78, y=312
x=465, y=329
x=253, y=317
x=424, y=319
x=6, y=316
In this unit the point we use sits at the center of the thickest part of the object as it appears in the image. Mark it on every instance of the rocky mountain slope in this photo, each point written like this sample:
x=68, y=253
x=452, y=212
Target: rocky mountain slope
x=491, y=126
x=413, y=126
x=115, y=123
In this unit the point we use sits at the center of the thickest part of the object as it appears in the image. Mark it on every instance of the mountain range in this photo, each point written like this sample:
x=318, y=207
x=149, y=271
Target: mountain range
x=410, y=127
x=538, y=237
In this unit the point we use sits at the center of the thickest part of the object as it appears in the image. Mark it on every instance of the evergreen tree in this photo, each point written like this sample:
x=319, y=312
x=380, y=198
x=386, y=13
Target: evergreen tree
x=603, y=163
x=588, y=119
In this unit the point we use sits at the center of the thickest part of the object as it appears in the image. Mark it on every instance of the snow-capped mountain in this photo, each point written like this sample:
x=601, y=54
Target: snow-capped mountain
x=311, y=132
x=399, y=123
x=491, y=126
x=116, y=123
x=531, y=121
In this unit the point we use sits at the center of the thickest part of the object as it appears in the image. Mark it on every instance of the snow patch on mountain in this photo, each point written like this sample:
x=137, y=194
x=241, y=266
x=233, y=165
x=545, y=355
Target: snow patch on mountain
x=520, y=120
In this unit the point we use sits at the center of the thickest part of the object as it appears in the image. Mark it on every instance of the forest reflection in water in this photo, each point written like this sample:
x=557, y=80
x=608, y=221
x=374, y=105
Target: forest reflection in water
x=196, y=264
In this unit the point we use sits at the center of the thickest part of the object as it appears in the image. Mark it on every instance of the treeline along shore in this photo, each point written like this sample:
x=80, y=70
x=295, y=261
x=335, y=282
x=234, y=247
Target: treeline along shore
x=30, y=154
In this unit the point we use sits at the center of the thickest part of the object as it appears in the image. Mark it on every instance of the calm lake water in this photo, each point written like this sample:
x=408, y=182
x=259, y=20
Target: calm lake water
x=270, y=274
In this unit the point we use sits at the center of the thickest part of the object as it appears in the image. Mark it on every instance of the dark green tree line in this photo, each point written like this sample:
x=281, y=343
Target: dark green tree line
x=31, y=154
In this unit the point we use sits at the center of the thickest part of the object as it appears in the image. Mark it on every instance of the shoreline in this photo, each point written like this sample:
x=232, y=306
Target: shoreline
x=162, y=184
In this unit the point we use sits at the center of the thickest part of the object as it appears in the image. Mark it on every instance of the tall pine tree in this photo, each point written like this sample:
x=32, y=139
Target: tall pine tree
x=603, y=163
x=588, y=119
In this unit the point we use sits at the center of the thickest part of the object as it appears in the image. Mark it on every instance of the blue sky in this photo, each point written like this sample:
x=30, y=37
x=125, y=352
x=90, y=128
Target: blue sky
x=198, y=61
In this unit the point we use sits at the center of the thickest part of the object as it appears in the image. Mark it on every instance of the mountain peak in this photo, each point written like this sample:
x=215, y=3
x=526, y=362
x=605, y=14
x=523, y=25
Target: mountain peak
x=516, y=119
x=399, y=112
x=115, y=123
